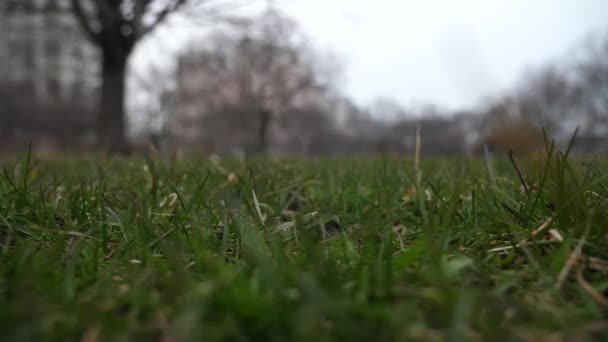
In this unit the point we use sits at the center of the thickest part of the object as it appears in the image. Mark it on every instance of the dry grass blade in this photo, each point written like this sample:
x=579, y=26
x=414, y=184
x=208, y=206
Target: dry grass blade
x=489, y=163
x=556, y=237
x=161, y=237
x=598, y=264
x=522, y=244
x=520, y=174
x=215, y=161
x=257, y=207
x=417, y=154
x=595, y=294
x=542, y=226
x=65, y=232
x=572, y=260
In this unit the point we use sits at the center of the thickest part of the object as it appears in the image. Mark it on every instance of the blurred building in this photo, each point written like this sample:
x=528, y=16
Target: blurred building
x=49, y=77
x=43, y=48
x=185, y=125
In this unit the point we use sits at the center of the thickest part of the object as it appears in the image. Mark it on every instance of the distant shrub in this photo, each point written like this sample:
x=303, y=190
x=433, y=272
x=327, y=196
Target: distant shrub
x=520, y=137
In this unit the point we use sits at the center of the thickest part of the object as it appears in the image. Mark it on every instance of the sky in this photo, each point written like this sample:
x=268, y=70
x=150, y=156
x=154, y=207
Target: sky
x=452, y=53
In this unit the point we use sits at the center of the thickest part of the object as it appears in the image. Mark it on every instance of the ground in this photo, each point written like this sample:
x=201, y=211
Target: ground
x=344, y=249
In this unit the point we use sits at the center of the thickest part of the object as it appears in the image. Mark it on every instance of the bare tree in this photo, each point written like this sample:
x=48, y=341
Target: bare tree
x=115, y=27
x=560, y=97
x=591, y=84
x=546, y=98
x=262, y=69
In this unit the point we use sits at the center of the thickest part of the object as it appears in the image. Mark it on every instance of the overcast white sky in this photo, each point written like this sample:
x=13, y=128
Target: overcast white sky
x=448, y=52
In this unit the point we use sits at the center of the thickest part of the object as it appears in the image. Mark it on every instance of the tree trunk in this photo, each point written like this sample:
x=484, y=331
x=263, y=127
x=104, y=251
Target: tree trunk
x=112, y=115
x=265, y=117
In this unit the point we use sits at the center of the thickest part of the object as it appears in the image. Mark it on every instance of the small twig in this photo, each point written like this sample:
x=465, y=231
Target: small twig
x=519, y=173
x=595, y=294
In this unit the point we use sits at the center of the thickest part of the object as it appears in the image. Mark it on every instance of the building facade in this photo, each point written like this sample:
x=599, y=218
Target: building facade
x=43, y=48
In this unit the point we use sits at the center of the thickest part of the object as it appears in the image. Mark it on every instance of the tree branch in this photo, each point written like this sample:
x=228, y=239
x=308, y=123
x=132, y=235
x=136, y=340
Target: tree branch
x=161, y=16
x=85, y=22
x=139, y=10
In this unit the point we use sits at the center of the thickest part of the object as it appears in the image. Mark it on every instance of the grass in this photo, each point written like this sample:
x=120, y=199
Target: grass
x=261, y=249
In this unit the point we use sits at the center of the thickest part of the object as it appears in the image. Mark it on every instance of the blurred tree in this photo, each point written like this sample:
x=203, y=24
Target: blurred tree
x=544, y=98
x=260, y=69
x=591, y=83
x=561, y=97
x=557, y=98
x=115, y=27
x=387, y=109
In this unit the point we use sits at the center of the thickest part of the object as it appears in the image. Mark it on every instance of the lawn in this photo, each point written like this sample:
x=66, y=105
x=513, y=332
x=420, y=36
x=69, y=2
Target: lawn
x=97, y=249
